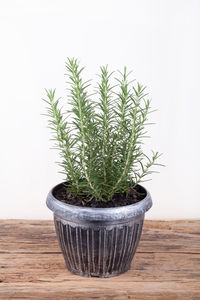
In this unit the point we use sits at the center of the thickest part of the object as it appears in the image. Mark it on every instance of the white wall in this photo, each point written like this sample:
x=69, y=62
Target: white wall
x=158, y=39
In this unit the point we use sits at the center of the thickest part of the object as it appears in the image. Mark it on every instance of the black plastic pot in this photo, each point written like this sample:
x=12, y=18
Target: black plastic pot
x=98, y=242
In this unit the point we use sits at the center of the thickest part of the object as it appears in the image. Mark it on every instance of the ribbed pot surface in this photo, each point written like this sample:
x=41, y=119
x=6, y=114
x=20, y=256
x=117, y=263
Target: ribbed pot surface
x=101, y=251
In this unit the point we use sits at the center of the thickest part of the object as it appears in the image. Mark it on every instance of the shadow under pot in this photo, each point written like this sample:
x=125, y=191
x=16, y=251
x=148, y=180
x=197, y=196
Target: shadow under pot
x=98, y=242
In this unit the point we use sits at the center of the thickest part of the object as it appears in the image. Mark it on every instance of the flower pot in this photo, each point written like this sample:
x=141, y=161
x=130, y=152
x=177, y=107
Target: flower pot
x=98, y=242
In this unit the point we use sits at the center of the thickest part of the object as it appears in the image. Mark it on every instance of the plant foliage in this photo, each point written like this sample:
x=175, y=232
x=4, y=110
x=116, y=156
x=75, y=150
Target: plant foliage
x=100, y=141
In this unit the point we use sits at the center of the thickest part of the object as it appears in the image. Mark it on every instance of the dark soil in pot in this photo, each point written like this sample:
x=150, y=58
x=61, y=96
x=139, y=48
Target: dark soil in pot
x=133, y=196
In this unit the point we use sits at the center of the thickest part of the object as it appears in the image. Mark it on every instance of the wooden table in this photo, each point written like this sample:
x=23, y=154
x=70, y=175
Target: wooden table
x=166, y=265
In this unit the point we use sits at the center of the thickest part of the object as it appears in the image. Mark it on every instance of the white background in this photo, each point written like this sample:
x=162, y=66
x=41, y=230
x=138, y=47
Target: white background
x=158, y=39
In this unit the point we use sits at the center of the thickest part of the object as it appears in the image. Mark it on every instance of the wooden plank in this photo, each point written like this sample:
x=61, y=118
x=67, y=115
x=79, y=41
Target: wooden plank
x=145, y=267
x=106, y=290
x=158, y=236
x=166, y=265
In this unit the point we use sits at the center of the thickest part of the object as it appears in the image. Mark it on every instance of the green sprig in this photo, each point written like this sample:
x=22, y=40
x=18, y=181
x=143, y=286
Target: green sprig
x=101, y=146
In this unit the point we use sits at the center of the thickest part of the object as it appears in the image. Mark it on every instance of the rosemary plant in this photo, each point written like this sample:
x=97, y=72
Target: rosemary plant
x=100, y=141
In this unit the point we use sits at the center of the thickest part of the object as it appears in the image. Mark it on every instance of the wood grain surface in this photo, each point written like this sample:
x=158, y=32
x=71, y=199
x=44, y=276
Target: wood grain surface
x=166, y=265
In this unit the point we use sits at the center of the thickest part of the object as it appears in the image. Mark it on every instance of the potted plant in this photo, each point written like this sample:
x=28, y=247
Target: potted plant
x=99, y=209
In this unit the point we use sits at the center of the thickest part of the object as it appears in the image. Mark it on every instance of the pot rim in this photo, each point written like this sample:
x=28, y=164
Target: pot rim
x=80, y=214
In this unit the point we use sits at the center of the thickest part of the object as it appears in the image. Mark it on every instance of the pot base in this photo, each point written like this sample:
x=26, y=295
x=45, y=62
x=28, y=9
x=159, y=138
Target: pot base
x=108, y=275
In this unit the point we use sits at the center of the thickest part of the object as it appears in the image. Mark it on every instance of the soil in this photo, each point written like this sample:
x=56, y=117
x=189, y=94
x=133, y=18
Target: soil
x=62, y=194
